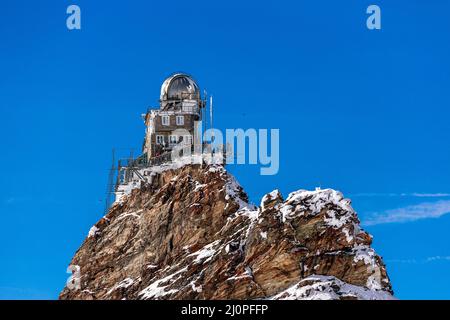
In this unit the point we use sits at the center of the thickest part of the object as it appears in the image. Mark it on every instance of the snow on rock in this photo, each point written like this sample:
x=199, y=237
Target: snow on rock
x=152, y=266
x=199, y=186
x=234, y=191
x=313, y=202
x=195, y=288
x=249, y=213
x=158, y=288
x=317, y=287
x=347, y=234
x=125, y=189
x=269, y=197
x=205, y=254
x=125, y=283
x=366, y=254
x=201, y=239
x=246, y=274
x=233, y=188
x=134, y=214
x=339, y=212
x=373, y=282
x=93, y=231
x=149, y=172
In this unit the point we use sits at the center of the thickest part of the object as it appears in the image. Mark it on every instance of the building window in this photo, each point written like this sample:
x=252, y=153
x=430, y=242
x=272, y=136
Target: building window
x=165, y=120
x=159, y=139
x=173, y=139
x=187, y=139
x=180, y=120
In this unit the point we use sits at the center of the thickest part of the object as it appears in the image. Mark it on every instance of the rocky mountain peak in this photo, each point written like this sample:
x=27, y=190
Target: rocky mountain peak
x=190, y=233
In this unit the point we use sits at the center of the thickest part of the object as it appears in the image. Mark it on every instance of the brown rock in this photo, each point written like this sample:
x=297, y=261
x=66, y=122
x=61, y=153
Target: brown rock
x=191, y=234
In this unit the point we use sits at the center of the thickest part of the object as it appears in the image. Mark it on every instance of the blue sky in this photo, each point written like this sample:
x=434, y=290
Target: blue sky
x=364, y=112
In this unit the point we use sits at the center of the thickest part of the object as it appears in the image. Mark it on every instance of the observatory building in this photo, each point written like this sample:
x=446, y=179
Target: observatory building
x=181, y=105
x=174, y=123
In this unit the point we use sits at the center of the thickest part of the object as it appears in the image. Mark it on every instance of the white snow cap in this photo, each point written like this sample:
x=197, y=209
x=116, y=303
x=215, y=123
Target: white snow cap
x=269, y=197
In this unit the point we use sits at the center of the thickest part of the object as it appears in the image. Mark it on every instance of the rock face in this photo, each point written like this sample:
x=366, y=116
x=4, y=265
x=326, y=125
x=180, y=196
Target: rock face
x=191, y=234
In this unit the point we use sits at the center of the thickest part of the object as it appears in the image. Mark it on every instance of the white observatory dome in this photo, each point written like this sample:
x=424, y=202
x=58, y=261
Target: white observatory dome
x=179, y=87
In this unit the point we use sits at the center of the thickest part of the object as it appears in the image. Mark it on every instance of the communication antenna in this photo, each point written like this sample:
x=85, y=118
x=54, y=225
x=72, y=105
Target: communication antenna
x=205, y=99
x=211, y=117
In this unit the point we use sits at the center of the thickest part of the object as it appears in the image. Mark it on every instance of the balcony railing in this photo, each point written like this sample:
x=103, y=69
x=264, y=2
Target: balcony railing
x=187, y=105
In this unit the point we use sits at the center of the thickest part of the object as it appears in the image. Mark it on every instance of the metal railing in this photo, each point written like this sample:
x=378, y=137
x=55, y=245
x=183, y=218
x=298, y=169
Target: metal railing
x=128, y=167
x=189, y=109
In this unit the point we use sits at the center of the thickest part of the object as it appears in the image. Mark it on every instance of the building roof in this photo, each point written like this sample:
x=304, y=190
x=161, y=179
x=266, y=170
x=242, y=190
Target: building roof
x=179, y=86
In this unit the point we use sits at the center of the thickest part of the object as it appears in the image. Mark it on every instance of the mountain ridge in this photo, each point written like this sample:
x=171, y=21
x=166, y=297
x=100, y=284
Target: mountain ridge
x=189, y=232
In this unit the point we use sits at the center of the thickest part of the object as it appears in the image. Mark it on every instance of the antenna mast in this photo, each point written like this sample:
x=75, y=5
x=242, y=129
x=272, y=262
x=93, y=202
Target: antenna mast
x=205, y=99
x=211, y=117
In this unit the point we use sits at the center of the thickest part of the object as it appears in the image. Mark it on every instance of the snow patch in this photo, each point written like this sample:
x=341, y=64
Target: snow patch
x=269, y=197
x=157, y=289
x=247, y=274
x=317, y=287
x=152, y=266
x=129, y=214
x=93, y=231
x=205, y=254
x=338, y=210
x=233, y=191
x=347, y=234
x=199, y=186
x=195, y=288
x=125, y=283
x=148, y=173
x=366, y=254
